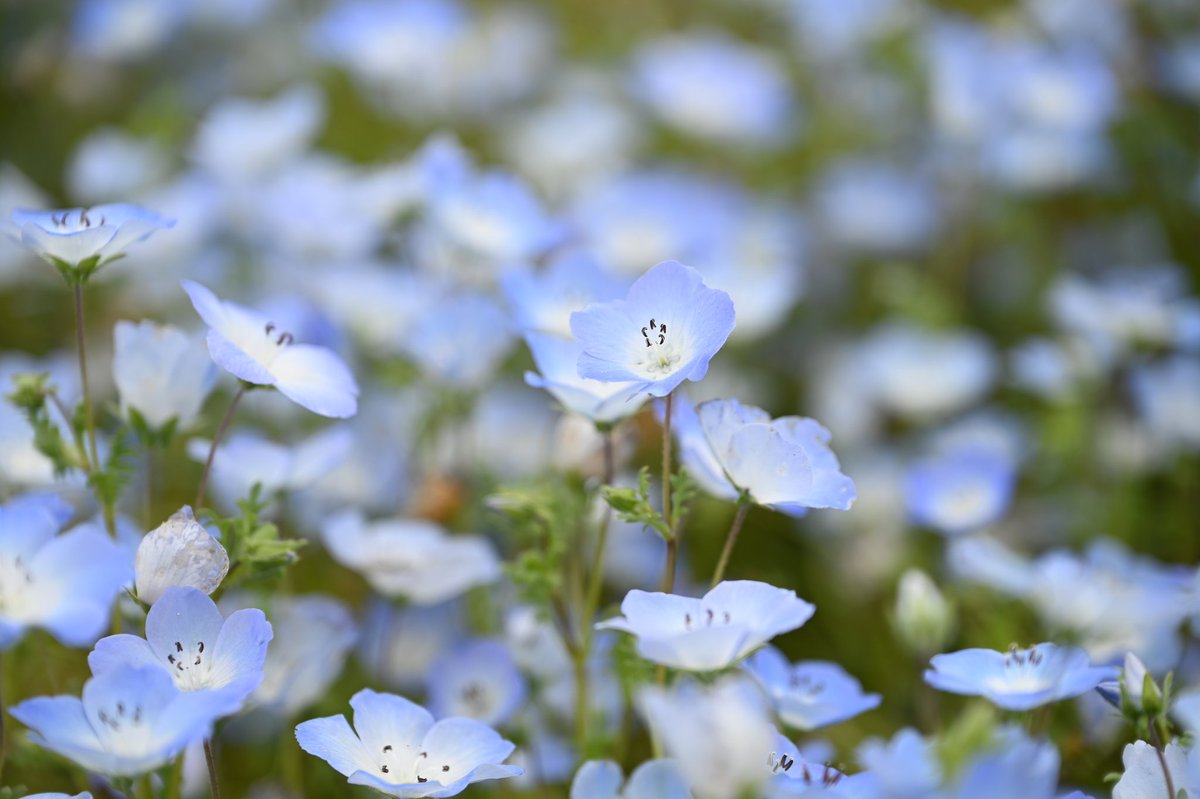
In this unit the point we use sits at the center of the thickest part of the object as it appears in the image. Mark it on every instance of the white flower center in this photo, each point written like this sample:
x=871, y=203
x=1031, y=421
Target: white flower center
x=1023, y=672
x=706, y=618
x=190, y=665
x=807, y=685
x=16, y=587
x=419, y=770
x=661, y=354
x=123, y=729
x=265, y=349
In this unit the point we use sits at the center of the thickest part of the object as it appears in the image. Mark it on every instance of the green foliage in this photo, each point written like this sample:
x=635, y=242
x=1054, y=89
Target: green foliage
x=632, y=669
x=256, y=550
x=973, y=731
x=632, y=505
x=541, y=519
x=109, y=481
x=30, y=395
x=683, y=490
x=151, y=437
x=79, y=274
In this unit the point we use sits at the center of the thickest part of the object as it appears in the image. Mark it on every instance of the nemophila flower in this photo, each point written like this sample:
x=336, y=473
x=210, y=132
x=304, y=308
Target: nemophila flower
x=906, y=767
x=495, y=216
x=1186, y=710
x=162, y=374
x=179, y=552
x=241, y=140
x=111, y=162
x=398, y=749
x=399, y=644
x=557, y=359
x=1166, y=395
x=245, y=459
x=413, y=558
x=712, y=632
x=249, y=346
x=877, y=208
x=665, y=331
x=64, y=584
x=793, y=775
x=460, y=341
x=716, y=88
x=1016, y=766
x=960, y=491
x=809, y=694
x=1143, y=777
x=782, y=463
x=130, y=720
x=653, y=779
x=78, y=241
x=312, y=635
x=477, y=679
x=719, y=735
x=543, y=301
x=187, y=637
x=1019, y=679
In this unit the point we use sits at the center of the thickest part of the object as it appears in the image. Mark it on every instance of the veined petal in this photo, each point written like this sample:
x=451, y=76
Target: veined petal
x=317, y=379
x=332, y=740
x=241, y=647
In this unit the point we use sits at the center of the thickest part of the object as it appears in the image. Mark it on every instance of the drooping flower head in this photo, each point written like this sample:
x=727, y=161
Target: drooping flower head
x=65, y=584
x=252, y=348
x=712, y=632
x=398, y=749
x=665, y=331
x=130, y=720
x=78, y=241
x=1019, y=679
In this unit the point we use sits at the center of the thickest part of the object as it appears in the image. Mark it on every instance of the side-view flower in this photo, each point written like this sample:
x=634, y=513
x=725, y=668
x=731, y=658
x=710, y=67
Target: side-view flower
x=78, y=241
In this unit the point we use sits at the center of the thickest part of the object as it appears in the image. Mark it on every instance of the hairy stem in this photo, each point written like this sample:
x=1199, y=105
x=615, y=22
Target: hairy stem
x=731, y=537
x=214, y=788
x=668, y=578
x=216, y=442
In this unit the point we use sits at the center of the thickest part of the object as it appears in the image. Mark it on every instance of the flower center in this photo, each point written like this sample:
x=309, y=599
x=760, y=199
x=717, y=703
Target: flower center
x=72, y=223
x=123, y=729
x=1023, y=671
x=780, y=763
x=660, y=355
x=707, y=619
x=189, y=666
x=422, y=764
x=16, y=580
x=807, y=685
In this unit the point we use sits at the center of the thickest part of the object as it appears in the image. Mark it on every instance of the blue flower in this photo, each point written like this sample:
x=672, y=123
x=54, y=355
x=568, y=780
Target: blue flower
x=557, y=360
x=460, y=340
x=397, y=748
x=1019, y=679
x=187, y=638
x=809, y=694
x=729, y=622
x=1019, y=766
x=544, y=301
x=80, y=240
x=959, y=491
x=653, y=779
x=249, y=346
x=161, y=373
x=477, y=679
x=130, y=720
x=665, y=331
x=64, y=584
x=782, y=463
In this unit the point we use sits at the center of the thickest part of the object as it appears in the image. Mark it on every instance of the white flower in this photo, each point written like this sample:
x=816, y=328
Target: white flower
x=413, y=558
x=85, y=238
x=1143, y=777
x=161, y=372
x=180, y=551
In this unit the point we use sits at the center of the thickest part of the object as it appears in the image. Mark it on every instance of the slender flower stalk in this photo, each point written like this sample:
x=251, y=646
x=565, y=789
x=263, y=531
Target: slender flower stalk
x=668, y=578
x=1156, y=741
x=214, y=787
x=93, y=454
x=216, y=442
x=3, y=740
x=739, y=518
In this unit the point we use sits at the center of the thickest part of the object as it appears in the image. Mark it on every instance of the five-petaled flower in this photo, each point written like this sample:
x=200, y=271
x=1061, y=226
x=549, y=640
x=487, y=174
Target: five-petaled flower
x=78, y=241
x=252, y=348
x=1020, y=679
x=665, y=331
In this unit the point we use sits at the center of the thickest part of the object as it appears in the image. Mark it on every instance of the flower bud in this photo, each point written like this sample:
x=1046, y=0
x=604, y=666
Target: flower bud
x=923, y=620
x=179, y=552
x=1139, y=692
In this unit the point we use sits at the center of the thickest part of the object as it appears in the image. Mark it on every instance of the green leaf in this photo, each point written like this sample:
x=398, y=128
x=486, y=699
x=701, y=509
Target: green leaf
x=30, y=394
x=256, y=549
x=632, y=505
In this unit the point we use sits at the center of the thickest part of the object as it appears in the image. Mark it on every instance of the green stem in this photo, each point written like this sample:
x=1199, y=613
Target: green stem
x=3, y=740
x=174, y=786
x=110, y=521
x=145, y=788
x=212, y=450
x=668, y=578
x=214, y=787
x=1162, y=760
x=731, y=537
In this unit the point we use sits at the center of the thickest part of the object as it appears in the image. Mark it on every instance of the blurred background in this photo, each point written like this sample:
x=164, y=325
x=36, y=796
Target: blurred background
x=964, y=235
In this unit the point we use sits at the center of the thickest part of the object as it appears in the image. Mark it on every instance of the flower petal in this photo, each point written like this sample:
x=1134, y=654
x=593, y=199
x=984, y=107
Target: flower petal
x=317, y=379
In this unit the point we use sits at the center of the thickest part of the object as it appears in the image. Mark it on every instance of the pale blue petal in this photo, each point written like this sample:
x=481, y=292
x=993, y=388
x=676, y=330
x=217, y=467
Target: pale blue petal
x=389, y=720
x=317, y=379
x=241, y=648
x=180, y=620
x=656, y=779
x=597, y=779
x=116, y=651
x=332, y=740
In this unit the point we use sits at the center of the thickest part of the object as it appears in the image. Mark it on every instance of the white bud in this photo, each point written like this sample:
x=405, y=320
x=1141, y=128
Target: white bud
x=179, y=552
x=924, y=620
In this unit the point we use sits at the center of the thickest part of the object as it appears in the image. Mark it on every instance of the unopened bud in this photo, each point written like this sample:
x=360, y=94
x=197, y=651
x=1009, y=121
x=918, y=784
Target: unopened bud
x=179, y=552
x=923, y=620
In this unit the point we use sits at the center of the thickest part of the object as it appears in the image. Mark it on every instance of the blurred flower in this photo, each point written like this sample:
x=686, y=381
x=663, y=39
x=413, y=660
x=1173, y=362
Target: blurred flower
x=700, y=320
x=543, y=301
x=22, y=465
x=653, y=779
x=494, y=216
x=1020, y=679
x=923, y=620
x=399, y=644
x=376, y=303
x=1016, y=766
x=557, y=360
x=131, y=720
x=877, y=208
x=906, y=767
x=78, y=241
x=839, y=28
x=161, y=373
x=179, y=552
x=249, y=346
x=187, y=637
x=791, y=774
x=460, y=340
x=398, y=749
x=412, y=558
x=477, y=679
x=809, y=694
x=111, y=163
x=714, y=87
x=1186, y=710
x=1167, y=397
x=960, y=491
x=718, y=735
x=241, y=140
x=726, y=624
x=246, y=459
x=65, y=583
x=782, y=463
x=125, y=30
x=1143, y=777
